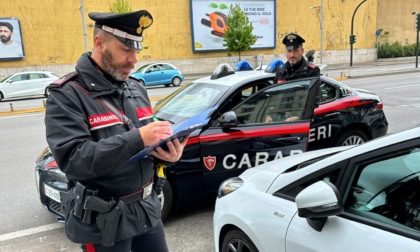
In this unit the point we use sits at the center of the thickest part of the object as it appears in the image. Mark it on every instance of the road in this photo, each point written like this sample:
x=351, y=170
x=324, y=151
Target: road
x=25, y=226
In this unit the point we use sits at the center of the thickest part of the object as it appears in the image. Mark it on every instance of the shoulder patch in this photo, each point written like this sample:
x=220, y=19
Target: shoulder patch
x=60, y=81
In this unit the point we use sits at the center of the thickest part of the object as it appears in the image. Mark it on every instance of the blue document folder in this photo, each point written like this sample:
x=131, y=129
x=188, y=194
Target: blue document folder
x=180, y=131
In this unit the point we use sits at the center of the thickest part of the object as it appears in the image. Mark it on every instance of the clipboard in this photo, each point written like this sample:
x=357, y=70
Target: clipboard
x=181, y=131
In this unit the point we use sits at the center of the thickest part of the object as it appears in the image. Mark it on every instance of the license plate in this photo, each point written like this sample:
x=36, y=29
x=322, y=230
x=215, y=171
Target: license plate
x=52, y=193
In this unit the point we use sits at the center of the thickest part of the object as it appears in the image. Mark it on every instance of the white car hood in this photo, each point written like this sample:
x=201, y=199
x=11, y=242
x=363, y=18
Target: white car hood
x=262, y=176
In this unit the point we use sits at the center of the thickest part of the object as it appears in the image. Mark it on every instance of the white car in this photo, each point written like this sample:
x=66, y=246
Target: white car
x=26, y=84
x=362, y=198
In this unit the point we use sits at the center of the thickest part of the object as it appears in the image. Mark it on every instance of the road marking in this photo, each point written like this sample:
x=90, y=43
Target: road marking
x=403, y=86
x=30, y=231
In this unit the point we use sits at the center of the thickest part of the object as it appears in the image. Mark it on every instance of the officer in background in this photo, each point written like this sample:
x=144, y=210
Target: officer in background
x=96, y=119
x=296, y=66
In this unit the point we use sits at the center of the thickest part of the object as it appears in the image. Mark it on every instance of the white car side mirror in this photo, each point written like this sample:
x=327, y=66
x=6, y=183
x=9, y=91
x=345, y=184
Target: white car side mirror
x=317, y=202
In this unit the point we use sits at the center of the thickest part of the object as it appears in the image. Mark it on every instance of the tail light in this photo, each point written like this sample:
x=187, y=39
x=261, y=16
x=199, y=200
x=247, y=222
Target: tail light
x=51, y=164
x=379, y=106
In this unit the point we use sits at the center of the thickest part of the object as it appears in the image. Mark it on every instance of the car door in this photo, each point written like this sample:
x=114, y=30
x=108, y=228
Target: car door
x=153, y=75
x=226, y=152
x=17, y=86
x=381, y=199
x=329, y=117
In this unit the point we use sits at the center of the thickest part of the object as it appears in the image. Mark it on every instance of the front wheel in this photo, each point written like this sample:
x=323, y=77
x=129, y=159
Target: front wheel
x=237, y=241
x=166, y=199
x=352, y=137
x=176, y=81
x=47, y=92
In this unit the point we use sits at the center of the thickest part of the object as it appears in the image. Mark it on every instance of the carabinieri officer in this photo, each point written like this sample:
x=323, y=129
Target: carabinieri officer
x=296, y=66
x=96, y=119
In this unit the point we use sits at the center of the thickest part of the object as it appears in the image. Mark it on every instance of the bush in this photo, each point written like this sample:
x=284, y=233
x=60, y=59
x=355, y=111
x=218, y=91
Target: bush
x=396, y=49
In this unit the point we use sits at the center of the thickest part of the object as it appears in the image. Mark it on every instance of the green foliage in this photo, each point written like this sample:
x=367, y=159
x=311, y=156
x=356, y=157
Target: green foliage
x=396, y=49
x=238, y=37
x=120, y=6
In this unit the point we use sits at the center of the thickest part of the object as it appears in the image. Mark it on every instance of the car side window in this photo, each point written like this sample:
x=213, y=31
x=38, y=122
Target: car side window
x=19, y=77
x=328, y=92
x=281, y=103
x=242, y=94
x=167, y=67
x=387, y=189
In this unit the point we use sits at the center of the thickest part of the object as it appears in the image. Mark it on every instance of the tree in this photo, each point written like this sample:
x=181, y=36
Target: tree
x=238, y=35
x=120, y=6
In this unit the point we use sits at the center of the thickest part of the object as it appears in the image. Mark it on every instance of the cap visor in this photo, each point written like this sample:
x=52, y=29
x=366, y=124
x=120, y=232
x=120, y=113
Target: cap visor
x=130, y=43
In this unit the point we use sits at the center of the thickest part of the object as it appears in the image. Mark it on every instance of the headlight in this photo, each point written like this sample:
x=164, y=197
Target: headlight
x=229, y=186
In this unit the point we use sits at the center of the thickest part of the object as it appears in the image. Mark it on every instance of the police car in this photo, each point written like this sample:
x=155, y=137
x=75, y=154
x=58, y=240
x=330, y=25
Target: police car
x=253, y=121
x=360, y=198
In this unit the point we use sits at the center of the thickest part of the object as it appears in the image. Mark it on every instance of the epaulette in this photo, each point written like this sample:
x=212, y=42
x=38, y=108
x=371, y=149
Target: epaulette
x=312, y=66
x=60, y=81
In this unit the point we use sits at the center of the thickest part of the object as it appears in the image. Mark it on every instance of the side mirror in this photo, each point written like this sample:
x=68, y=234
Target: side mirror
x=228, y=119
x=317, y=202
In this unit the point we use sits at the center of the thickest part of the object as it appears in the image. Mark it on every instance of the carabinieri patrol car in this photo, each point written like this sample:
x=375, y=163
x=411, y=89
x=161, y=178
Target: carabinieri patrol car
x=253, y=121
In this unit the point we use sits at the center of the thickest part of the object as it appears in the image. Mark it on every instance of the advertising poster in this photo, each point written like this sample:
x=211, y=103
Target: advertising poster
x=209, y=21
x=11, y=45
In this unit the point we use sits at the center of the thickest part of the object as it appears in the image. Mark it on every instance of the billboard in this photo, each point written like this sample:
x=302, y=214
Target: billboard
x=11, y=45
x=209, y=21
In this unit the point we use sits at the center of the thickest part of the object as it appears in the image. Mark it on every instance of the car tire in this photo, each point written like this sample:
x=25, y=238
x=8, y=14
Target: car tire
x=352, y=137
x=236, y=240
x=176, y=81
x=46, y=92
x=166, y=200
x=1, y=96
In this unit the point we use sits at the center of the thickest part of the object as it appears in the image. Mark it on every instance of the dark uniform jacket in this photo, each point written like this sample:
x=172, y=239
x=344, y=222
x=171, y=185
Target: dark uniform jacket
x=90, y=145
x=301, y=70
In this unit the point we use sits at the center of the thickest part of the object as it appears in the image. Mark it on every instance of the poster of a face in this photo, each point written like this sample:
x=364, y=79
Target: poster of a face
x=11, y=45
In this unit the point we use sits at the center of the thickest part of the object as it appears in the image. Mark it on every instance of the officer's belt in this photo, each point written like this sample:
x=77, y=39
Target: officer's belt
x=97, y=204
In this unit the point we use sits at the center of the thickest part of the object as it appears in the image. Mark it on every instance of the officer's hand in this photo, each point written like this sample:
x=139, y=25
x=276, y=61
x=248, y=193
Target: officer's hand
x=174, y=153
x=154, y=132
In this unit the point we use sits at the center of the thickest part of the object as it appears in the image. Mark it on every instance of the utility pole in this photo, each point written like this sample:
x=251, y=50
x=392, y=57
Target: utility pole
x=82, y=10
x=320, y=12
x=417, y=40
x=353, y=37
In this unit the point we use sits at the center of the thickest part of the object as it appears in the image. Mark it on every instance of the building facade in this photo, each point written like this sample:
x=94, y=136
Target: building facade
x=53, y=37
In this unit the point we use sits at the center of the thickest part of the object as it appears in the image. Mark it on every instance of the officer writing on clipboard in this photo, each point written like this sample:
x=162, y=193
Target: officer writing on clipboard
x=96, y=119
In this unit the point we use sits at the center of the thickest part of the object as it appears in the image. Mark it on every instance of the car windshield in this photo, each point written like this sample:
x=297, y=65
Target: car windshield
x=5, y=79
x=142, y=68
x=190, y=101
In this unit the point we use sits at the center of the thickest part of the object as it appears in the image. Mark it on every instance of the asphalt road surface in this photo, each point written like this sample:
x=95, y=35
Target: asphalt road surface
x=26, y=226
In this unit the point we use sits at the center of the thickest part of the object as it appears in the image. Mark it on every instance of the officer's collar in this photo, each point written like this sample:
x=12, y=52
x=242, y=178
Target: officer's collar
x=97, y=81
x=297, y=65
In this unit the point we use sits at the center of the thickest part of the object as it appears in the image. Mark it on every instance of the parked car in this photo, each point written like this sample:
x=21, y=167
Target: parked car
x=159, y=74
x=254, y=121
x=26, y=84
x=361, y=198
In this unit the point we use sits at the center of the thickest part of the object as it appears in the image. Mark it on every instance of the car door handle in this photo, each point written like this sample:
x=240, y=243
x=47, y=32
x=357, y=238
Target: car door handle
x=332, y=114
x=288, y=139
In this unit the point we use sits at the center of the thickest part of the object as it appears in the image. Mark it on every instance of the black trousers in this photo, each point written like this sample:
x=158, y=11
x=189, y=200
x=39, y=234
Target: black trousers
x=153, y=240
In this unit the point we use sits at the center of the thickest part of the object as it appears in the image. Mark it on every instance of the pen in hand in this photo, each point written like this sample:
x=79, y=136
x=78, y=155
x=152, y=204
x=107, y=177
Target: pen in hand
x=157, y=119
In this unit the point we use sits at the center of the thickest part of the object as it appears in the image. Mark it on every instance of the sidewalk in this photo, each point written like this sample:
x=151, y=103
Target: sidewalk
x=336, y=71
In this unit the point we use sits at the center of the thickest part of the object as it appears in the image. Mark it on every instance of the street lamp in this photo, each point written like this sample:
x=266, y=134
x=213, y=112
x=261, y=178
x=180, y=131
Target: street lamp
x=352, y=36
x=82, y=10
x=320, y=12
x=417, y=40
